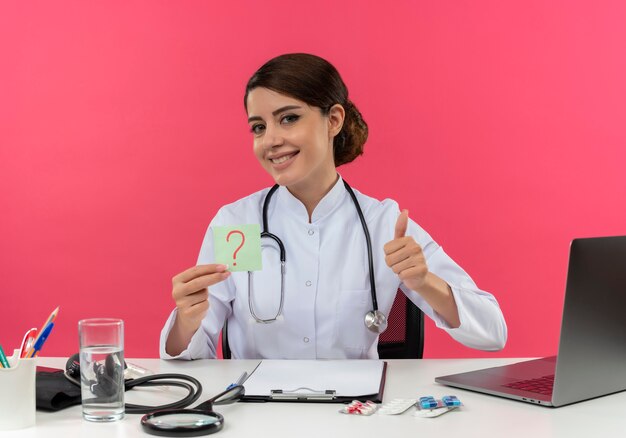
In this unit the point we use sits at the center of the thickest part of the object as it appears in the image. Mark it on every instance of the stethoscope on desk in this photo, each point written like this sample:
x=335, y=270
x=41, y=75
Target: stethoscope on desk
x=375, y=320
x=171, y=419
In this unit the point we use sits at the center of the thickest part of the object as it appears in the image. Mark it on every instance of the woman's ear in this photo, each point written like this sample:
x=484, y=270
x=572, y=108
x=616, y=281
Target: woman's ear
x=336, y=117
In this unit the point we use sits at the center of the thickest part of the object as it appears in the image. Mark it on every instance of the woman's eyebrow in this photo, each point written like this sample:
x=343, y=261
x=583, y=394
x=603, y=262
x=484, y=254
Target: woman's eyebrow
x=278, y=111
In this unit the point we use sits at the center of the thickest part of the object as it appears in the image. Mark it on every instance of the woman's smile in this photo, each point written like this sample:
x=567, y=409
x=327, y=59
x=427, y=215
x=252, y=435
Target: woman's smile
x=282, y=161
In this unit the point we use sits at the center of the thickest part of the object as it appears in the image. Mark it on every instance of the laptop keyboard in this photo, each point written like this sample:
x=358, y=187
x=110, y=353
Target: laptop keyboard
x=542, y=385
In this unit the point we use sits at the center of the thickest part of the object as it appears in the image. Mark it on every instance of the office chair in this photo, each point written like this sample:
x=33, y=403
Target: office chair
x=225, y=347
x=403, y=339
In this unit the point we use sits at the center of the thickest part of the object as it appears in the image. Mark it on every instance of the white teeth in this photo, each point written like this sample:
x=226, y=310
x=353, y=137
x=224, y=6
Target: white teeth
x=281, y=159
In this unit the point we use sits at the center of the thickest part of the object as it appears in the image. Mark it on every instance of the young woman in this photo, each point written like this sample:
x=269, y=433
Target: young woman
x=303, y=127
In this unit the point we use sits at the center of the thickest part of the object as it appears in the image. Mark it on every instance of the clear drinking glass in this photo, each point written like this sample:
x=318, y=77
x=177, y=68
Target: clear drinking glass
x=102, y=368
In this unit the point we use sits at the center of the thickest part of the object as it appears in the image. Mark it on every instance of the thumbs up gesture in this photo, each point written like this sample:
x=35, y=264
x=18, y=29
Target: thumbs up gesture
x=405, y=257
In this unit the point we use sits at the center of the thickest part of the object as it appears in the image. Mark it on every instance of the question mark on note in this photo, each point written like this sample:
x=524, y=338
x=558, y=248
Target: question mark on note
x=238, y=246
x=243, y=239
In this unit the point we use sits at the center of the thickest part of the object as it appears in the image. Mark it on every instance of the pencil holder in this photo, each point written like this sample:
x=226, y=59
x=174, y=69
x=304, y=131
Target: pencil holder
x=17, y=401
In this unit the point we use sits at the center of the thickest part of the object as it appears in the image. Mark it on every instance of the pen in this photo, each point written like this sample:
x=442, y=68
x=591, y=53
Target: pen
x=41, y=339
x=240, y=380
x=3, y=359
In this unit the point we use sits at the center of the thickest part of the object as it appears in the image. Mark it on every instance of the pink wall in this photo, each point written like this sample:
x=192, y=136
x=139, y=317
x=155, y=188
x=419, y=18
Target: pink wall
x=122, y=131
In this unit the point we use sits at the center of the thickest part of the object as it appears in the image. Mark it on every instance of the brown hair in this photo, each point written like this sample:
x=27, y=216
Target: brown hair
x=316, y=82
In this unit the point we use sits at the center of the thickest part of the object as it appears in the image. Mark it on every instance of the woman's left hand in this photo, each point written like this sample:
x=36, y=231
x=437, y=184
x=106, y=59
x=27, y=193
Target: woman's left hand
x=405, y=257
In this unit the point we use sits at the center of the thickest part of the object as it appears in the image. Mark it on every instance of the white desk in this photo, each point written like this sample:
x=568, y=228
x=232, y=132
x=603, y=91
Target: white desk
x=481, y=415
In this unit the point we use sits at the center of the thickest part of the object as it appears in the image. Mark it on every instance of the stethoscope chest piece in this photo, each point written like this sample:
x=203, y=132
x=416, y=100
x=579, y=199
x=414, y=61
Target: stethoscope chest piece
x=376, y=321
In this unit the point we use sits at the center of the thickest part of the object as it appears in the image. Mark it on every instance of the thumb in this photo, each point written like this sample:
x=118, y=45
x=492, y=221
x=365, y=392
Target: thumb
x=401, y=224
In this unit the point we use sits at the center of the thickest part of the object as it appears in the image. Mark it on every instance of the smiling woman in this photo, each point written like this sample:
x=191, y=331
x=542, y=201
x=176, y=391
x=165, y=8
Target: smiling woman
x=293, y=142
x=304, y=127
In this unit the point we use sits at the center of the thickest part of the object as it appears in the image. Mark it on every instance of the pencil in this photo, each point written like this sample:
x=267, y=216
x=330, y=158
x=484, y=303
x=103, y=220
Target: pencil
x=3, y=359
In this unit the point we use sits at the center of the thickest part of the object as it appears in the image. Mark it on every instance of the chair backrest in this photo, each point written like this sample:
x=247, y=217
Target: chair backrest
x=226, y=354
x=403, y=339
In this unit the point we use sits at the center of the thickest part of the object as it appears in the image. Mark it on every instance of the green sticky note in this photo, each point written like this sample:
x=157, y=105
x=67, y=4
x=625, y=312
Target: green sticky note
x=238, y=246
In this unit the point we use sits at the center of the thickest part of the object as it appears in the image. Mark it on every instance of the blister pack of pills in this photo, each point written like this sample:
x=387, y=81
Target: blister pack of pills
x=359, y=408
x=397, y=406
x=429, y=407
x=431, y=413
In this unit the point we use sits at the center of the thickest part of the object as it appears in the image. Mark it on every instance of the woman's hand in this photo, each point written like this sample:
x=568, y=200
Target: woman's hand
x=405, y=257
x=190, y=291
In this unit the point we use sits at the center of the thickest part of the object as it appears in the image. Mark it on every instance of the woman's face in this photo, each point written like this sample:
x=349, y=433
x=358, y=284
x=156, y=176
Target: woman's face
x=292, y=140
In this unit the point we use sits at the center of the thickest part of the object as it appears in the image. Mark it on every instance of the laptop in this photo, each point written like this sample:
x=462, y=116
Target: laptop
x=591, y=360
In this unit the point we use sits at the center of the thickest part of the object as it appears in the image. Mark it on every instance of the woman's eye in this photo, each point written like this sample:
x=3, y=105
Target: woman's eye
x=290, y=118
x=257, y=128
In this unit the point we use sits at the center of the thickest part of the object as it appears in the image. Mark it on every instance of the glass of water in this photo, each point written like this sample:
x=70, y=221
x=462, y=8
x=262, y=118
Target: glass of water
x=102, y=368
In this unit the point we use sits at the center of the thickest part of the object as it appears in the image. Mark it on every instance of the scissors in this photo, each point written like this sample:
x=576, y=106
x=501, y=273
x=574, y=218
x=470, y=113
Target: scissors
x=28, y=341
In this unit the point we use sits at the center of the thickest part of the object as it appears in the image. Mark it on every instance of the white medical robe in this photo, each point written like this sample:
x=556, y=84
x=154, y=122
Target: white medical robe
x=327, y=289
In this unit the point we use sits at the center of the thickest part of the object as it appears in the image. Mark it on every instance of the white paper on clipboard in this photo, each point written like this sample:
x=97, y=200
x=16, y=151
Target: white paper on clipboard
x=347, y=378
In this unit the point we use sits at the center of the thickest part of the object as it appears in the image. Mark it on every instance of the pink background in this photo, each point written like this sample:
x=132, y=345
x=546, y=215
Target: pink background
x=499, y=125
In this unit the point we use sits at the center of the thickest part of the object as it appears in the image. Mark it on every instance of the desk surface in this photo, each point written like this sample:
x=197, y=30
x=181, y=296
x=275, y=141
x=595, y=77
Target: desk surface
x=481, y=415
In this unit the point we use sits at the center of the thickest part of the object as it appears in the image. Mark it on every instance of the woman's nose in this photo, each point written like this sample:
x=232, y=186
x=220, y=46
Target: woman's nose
x=272, y=137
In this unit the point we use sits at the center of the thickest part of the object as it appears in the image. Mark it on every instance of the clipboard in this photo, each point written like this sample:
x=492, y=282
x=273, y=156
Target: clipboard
x=316, y=381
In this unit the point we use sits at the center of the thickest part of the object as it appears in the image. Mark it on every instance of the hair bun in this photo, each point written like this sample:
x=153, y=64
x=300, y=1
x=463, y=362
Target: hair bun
x=349, y=143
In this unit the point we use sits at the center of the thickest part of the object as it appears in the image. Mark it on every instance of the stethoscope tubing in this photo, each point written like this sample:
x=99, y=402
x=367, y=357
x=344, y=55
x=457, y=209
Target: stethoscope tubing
x=266, y=233
x=193, y=386
x=282, y=282
x=370, y=256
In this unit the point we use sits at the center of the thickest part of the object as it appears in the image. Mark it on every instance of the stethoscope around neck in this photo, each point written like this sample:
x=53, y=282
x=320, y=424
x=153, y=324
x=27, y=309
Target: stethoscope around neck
x=375, y=320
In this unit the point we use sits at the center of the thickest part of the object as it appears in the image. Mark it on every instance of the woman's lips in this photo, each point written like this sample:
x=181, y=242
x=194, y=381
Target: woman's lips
x=283, y=161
